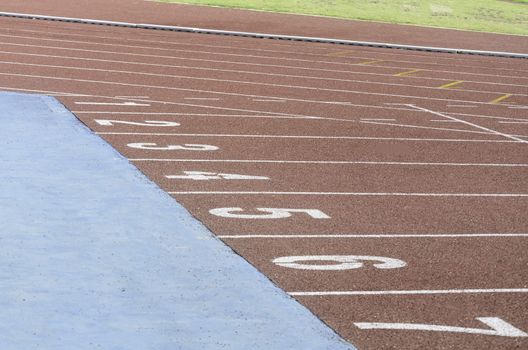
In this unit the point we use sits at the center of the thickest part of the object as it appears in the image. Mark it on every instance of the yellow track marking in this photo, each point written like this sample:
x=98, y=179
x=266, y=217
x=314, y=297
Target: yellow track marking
x=500, y=99
x=451, y=84
x=370, y=62
x=402, y=74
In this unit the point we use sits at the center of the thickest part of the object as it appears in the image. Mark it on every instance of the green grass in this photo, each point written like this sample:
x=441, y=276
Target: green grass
x=501, y=16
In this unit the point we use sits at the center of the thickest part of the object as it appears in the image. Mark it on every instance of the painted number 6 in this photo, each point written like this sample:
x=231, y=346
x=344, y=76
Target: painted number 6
x=269, y=213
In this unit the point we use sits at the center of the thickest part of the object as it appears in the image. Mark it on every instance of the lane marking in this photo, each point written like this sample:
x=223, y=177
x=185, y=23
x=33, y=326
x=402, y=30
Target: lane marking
x=185, y=43
x=352, y=50
x=125, y=104
x=361, y=92
x=265, y=65
x=311, y=53
x=425, y=127
x=344, y=162
x=514, y=122
x=366, y=194
x=184, y=147
x=339, y=262
x=452, y=84
x=462, y=106
x=369, y=62
x=511, y=137
x=206, y=176
x=134, y=113
x=500, y=99
x=385, y=235
x=297, y=136
x=377, y=119
x=498, y=327
x=268, y=213
x=157, y=123
x=403, y=74
x=202, y=98
x=267, y=100
x=146, y=97
x=263, y=73
x=411, y=292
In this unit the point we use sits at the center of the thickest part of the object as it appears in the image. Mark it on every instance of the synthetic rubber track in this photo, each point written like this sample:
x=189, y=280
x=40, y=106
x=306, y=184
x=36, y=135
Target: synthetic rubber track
x=385, y=190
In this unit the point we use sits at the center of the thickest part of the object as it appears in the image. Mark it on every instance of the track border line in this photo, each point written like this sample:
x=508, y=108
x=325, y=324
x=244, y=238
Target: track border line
x=267, y=36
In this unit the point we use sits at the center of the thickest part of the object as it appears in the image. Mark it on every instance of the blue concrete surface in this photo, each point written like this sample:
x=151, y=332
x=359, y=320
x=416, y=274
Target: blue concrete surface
x=95, y=256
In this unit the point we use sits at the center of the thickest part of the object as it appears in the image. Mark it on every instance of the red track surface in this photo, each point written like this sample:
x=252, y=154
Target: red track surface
x=390, y=165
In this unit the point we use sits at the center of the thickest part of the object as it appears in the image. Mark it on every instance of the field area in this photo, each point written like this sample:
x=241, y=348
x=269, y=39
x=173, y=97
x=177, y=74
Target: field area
x=479, y=15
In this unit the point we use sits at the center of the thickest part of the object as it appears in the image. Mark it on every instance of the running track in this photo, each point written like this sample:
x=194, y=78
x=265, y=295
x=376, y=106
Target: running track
x=385, y=190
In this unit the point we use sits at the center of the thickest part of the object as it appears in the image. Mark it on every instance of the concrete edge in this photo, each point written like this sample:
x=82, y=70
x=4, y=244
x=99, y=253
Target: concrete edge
x=270, y=36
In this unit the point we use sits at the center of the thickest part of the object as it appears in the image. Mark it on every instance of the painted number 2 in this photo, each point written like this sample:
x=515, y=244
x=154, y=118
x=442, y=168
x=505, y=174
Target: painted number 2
x=107, y=122
x=185, y=147
x=269, y=213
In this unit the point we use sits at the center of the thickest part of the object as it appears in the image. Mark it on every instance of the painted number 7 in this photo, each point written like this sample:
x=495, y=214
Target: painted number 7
x=498, y=327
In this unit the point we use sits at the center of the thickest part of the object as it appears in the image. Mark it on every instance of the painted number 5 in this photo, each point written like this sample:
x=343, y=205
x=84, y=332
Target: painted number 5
x=269, y=213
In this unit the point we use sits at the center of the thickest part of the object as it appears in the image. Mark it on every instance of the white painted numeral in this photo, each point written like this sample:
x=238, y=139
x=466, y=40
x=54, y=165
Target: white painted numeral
x=272, y=213
x=107, y=122
x=205, y=176
x=185, y=147
x=342, y=262
x=498, y=327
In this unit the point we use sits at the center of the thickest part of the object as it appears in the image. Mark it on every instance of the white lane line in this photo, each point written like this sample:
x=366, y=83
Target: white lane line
x=364, y=194
x=202, y=98
x=286, y=136
x=210, y=115
x=507, y=165
x=443, y=121
x=324, y=53
x=253, y=72
x=358, y=92
x=213, y=53
x=425, y=127
x=123, y=104
x=410, y=292
x=267, y=100
x=377, y=119
x=132, y=97
x=514, y=122
x=462, y=106
x=511, y=137
x=59, y=93
x=387, y=235
x=322, y=118
x=310, y=137
x=167, y=103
